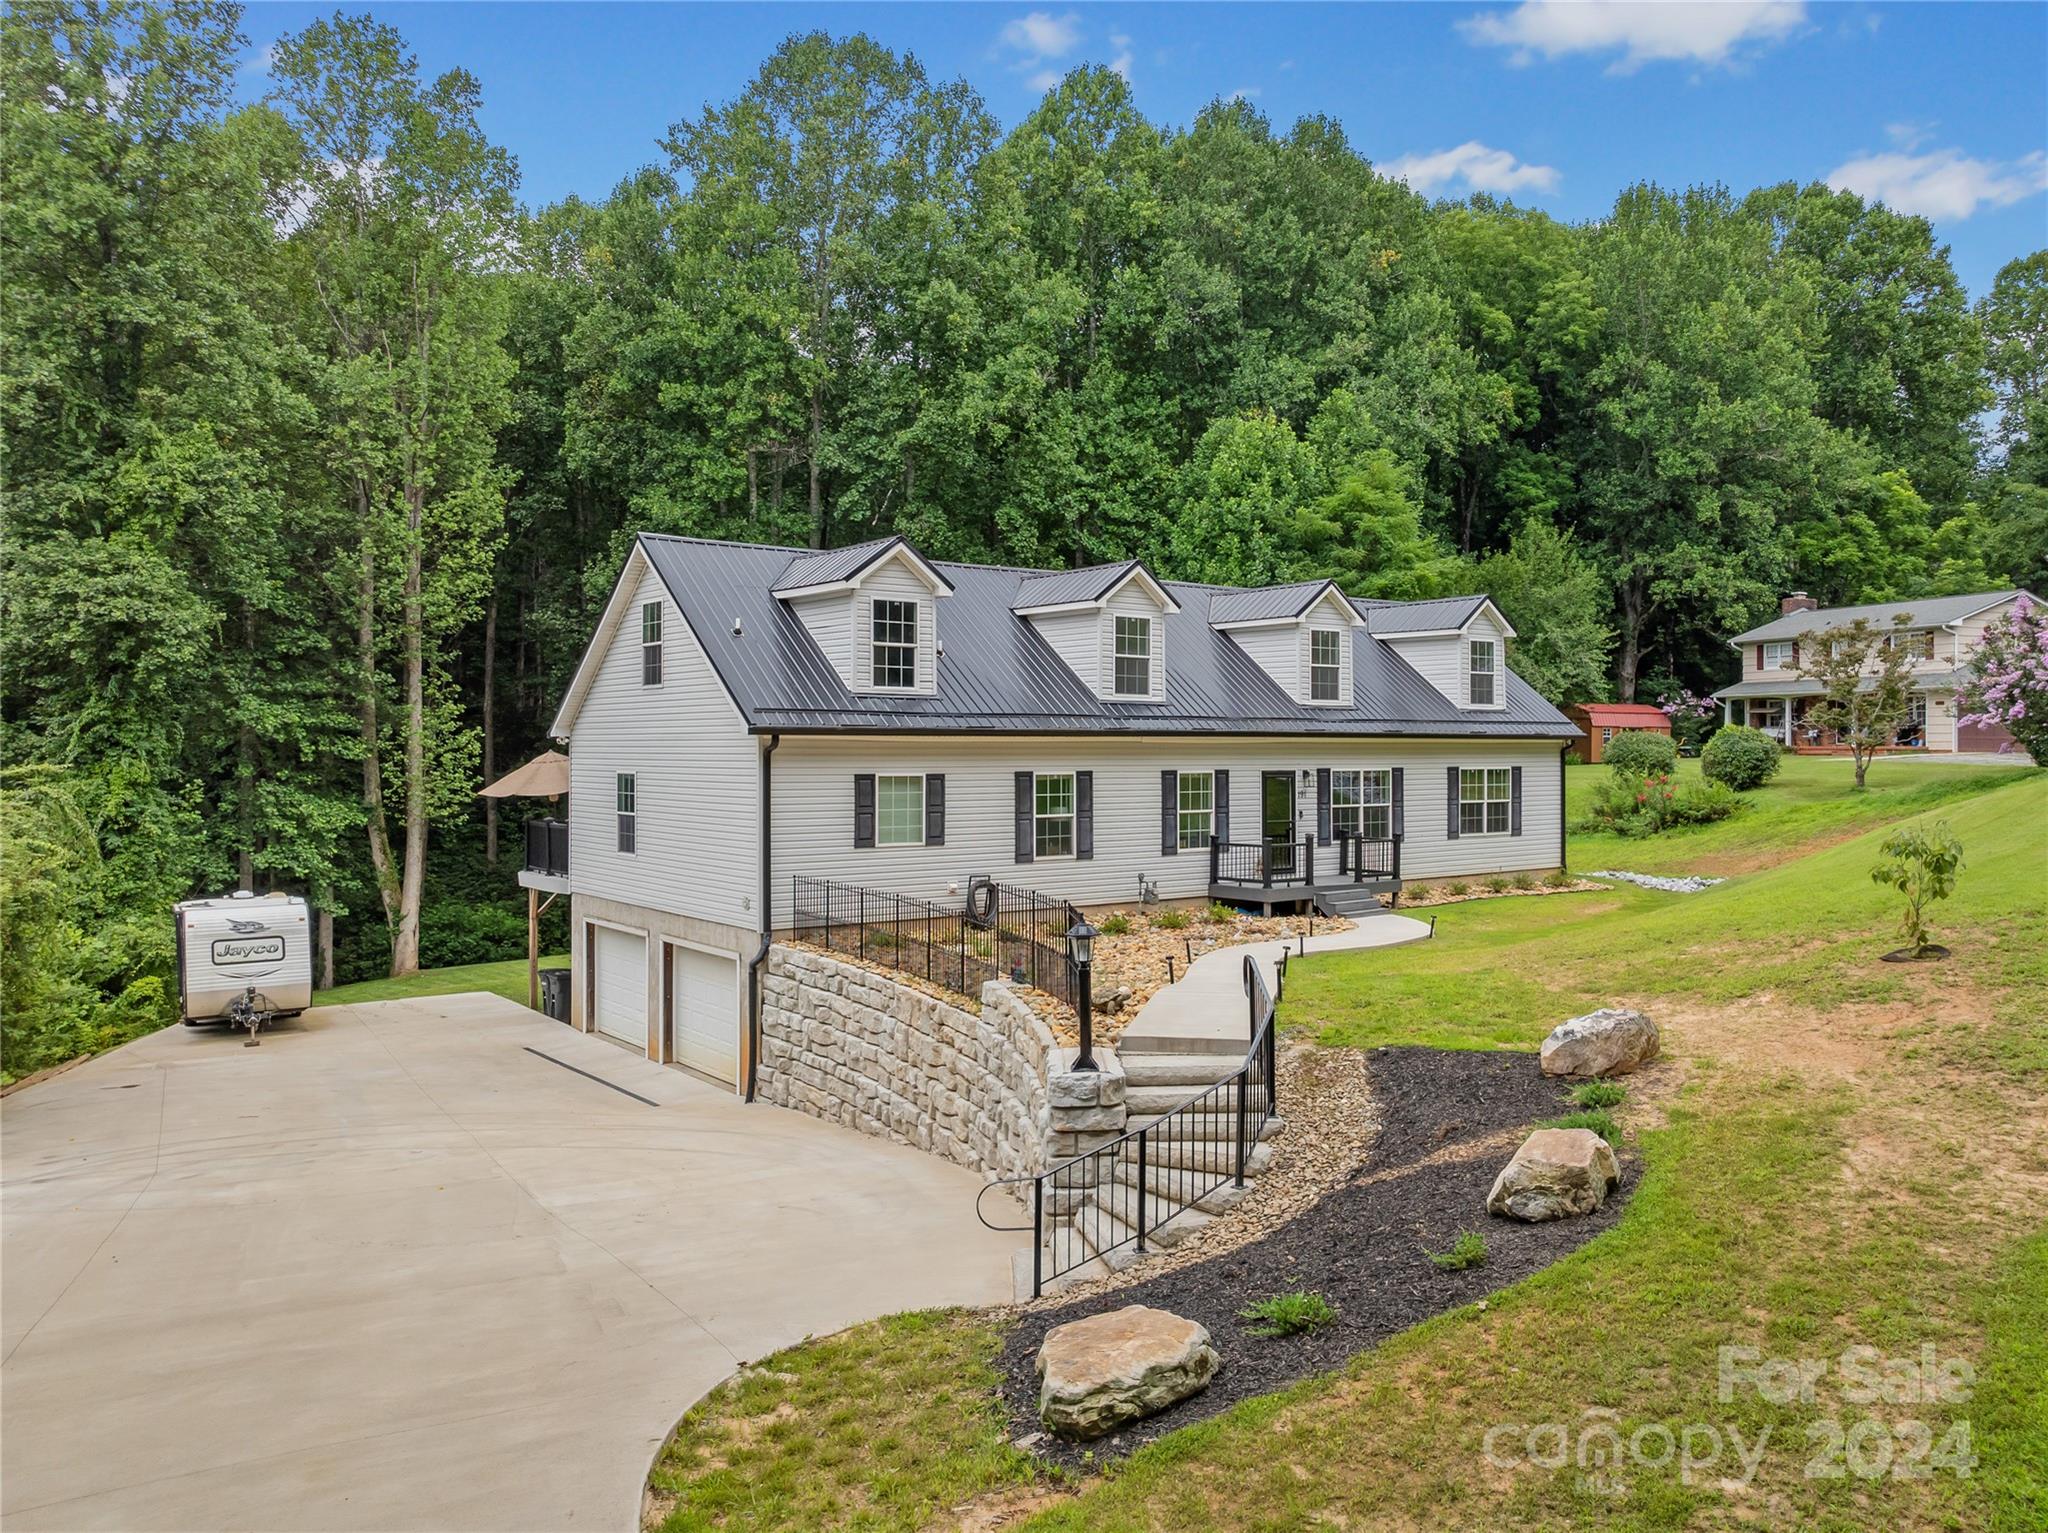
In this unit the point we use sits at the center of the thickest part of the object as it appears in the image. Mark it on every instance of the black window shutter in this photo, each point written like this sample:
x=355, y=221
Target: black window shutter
x=1400, y=815
x=1221, y=818
x=1322, y=806
x=1514, y=801
x=1451, y=789
x=864, y=809
x=935, y=809
x=1024, y=817
x=1169, y=812
x=1084, y=815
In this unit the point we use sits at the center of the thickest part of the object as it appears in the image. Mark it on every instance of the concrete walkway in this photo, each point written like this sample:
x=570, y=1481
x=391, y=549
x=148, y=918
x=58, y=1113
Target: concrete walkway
x=394, y=1269
x=1206, y=1011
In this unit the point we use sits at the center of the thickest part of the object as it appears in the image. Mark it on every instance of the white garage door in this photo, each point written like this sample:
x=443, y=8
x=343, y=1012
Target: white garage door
x=620, y=967
x=707, y=1012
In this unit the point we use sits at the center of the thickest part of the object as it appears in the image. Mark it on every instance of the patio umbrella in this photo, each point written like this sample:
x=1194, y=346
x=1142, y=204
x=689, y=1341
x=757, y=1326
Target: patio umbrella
x=546, y=776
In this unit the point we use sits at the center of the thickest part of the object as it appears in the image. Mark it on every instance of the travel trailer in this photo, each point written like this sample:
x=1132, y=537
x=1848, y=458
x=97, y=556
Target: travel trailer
x=244, y=959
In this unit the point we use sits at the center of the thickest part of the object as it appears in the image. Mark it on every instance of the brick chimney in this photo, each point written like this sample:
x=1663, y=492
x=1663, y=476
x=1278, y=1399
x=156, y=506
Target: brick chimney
x=1798, y=601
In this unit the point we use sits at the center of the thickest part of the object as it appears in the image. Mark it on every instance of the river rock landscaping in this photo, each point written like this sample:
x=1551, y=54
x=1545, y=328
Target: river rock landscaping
x=1446, y=1118
x=1669, y=884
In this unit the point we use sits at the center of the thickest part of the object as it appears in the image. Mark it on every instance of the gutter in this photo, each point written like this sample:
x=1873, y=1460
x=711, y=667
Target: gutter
x=767, y=916
x=1564, y=756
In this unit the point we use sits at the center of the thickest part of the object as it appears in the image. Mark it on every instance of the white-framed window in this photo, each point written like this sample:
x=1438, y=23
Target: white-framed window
x=1778, y=655
x=1483, y=659
x=1606, y=733
x=1133, y=674
x=893, y=644
x=650, y=644
x=1053, y=815
x=899, y=811
x=1362, y=803
x=1197, y=809
x=1920, y=644
x=1483, y=794
x=628, y=811
x=1325, y=665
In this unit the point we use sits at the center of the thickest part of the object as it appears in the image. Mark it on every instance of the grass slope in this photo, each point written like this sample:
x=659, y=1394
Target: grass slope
x=507, y=979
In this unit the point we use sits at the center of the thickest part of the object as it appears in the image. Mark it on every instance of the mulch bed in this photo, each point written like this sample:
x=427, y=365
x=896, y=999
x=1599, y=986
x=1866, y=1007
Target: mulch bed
x=1364, y=1247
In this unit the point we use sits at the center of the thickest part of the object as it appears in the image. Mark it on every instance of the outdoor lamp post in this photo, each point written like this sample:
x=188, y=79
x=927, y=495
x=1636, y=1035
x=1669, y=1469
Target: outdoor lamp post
x=1081, y=951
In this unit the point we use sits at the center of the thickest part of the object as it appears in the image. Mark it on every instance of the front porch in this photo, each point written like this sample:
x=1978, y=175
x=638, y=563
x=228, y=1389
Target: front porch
x=1784, y=718
x=1341, y=877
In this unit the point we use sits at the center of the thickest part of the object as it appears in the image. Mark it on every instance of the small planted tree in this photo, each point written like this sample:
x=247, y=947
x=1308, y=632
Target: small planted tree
x=2008, y=685
x=1922, y=863
x=1866, y=679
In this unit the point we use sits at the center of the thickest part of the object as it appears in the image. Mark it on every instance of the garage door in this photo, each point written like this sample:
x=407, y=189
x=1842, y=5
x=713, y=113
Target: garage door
x=707, y=1012
x=620, y=967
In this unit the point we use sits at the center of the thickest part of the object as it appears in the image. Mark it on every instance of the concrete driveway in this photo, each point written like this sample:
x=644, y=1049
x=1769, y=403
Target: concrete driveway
x=392, y=1269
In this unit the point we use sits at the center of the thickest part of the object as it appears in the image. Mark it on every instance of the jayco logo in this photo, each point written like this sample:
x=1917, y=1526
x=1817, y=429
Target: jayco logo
x=248, y=949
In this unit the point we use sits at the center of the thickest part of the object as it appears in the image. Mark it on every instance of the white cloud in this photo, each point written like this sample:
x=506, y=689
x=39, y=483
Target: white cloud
x=1944, y=183
x=1908, y=135
x=1244, y=93
x=1701, y=31
x=1040, y=36
x=1481, y=168
x=1044, y=80
x=1121, y=65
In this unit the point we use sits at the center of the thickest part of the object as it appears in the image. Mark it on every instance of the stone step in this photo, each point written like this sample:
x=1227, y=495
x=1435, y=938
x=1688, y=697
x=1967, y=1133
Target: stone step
x=1208, y=1155
x=1190, y=1070
x=1143, y=1100
x=1220, y=1125
x=1176, y=1182
x=1106, y=1237
x=1109, y=1229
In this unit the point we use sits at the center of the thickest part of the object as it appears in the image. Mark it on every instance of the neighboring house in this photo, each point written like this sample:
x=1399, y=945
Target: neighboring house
x=746, y=715
x=1601, y=722
x=1942, y=632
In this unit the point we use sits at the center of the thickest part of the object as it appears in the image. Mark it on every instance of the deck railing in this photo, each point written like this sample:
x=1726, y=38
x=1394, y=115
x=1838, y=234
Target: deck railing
x=1360, y=858
x=1000, y=932
x=1272, y=860
x=547, y=847
x=1123, y=1192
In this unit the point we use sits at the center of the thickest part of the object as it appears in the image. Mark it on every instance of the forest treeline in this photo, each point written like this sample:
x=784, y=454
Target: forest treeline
x=322, y=449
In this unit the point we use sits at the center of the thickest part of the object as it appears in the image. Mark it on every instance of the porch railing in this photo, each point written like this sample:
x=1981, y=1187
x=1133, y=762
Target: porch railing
x=1272, y=860
x=547, y=847
x=1000, y=932
x=1119, y=1195
x=1362, y=857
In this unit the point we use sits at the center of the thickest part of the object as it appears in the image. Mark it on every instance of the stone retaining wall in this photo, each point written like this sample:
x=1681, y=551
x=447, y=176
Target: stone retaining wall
x=850, y=1045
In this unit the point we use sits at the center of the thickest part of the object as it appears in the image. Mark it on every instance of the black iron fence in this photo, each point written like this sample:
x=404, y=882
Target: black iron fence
x=1119, y=1195
x=547, y=847
x=1000, y=932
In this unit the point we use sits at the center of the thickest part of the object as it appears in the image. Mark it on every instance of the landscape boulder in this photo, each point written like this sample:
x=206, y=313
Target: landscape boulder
x=1106, y=1371
x=1558, y=1173
x=1610, y=1041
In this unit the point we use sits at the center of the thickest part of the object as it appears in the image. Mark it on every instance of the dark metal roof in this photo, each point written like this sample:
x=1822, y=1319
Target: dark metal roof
x=808, y=568
x=1261, y=604
x=1056, y=588
x=998, y=675
x=1927, y=612
x=1432, y=616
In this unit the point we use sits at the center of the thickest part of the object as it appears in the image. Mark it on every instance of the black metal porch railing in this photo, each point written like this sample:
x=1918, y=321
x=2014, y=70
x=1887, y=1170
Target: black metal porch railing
x=1120, y=1194
x=547, y=847
x=1360, y=858
x=1001, y=932
x=1274, y=860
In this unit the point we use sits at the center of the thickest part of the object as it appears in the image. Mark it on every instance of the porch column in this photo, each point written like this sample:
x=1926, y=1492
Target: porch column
x=1727, y=712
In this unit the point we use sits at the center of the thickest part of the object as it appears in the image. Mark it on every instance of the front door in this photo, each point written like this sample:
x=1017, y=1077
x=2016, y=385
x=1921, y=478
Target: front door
x=1276, y=820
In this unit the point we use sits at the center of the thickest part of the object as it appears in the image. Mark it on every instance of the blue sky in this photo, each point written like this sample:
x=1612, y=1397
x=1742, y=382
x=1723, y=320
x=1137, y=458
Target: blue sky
x=1938, y=109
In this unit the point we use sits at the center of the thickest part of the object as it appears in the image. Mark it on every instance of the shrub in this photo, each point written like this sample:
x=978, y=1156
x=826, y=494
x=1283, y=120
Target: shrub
x=1289, y=1314
x=1598, y=1119
x=1497, y=885
x=1922, y=862
x=1741, y=757
x=1115, y=924
x=1171, y=920
x=1638, y=750
x=1458, y=889
x=1557, y=878
x=1523, y=881
x=457, y=933
x=1218, y=911
x=1468, y=1250
x=1636, y=804
x=1599, y=1094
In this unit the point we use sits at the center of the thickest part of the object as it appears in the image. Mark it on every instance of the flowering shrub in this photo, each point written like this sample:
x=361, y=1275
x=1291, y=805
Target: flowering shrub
x=1692, y=717
x=2008, y=685
x=1644, y=803
x=1637, y=750
x=1741, y=757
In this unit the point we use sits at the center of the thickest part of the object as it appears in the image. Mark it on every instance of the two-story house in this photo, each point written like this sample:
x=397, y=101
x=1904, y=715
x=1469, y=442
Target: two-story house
x=1942, y=633
x=746, y=715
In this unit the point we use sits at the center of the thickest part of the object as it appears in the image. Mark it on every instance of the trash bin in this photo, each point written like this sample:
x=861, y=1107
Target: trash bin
x=554, y=994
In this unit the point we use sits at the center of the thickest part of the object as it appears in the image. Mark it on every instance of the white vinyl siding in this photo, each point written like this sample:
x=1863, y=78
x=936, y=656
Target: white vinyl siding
x=1445, y=661
x=1076, y=637
x=811, y=832
x=694, y=770
x=1196, y=811
x=841, y=623
x=1276, y=651
x=899, y=810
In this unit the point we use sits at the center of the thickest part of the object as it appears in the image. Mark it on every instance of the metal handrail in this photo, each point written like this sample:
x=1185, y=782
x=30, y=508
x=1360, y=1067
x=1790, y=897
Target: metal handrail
x=1190, y=1183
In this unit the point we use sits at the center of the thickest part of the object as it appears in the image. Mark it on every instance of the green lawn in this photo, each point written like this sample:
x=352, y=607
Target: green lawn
x=1840, y=1152
x=507, y=979
x=1810, y=803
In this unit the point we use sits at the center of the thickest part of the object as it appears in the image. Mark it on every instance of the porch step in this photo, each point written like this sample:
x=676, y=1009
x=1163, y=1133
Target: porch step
x=1142, y=1100
x=1189, y=1071
x=1176, y=1183
x=1107, y=1238
x=1348, y=900
x=1219, y=1155
x=1209, y=1127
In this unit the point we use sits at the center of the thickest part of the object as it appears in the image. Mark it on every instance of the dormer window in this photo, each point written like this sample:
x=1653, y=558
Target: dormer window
x=1133, y=657
x=1483, y=661
x=650, y=644
x=894, y=645
x=1325, y=665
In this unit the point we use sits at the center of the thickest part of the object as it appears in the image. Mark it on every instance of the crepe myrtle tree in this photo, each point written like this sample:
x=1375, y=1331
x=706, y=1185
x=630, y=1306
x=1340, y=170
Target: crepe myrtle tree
x=2008, y=685
x=1866, y=685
